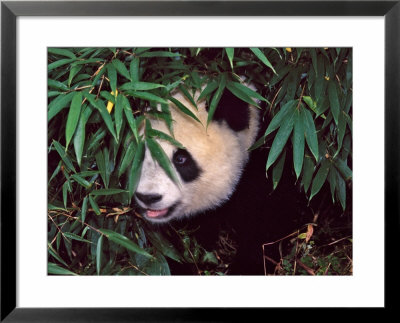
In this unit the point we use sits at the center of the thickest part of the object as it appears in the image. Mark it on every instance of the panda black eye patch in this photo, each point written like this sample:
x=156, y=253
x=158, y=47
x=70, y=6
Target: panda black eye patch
x=186, y=165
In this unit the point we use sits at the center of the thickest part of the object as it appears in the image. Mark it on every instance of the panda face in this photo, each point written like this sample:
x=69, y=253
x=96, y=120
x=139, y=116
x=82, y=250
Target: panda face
x=208, y=169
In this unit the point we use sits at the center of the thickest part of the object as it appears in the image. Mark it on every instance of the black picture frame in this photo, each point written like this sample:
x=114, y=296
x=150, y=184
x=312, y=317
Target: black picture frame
x=10, y=10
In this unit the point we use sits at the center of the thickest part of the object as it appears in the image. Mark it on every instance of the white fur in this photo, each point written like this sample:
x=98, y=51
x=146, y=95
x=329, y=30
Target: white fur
x=219, y=151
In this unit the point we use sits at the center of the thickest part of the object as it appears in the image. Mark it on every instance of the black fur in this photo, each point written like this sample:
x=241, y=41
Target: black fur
x=233, y=110
x=186, y=165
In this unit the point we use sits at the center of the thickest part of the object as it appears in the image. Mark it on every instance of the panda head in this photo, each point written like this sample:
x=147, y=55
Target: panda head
x=210, y=166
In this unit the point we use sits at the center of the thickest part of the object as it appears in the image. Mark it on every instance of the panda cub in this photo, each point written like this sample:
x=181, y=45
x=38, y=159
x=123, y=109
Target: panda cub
x=219, y=182
x=209, y=168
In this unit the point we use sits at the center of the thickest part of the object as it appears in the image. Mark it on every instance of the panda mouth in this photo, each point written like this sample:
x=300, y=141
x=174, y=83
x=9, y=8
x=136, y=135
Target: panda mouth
x=159, y=214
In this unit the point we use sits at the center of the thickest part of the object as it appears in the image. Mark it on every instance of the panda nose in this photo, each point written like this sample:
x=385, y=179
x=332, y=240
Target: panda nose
x=148, y=198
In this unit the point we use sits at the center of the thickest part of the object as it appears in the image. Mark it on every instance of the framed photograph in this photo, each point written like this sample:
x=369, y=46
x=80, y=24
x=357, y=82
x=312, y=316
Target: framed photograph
x=196, y=157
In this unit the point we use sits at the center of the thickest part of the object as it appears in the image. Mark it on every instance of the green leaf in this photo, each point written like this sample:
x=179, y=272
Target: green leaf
x=230, y=53
x=61, y=51
x=161, y=135
x=101, y=165
x=334, y=100
x=280, y=140
x=298, y=141
x=159, y=54
x=64, y=156
x=81, y=181
x=185, y=110
x=164, y=246
x=75, y=237
x=140, y=86
x=73, y=117
x=251, y=93
x=94, y=205
x=287, y=109
x=320, y=177
x=211, y=87
x=112, y=75
x=80, y=134
x=55, y=254
x=121, y=68
x=124, y=242
x=332, y=182
x=59, y=63
x=344, y=170
x=58, y=104
x=162, y=159
x=188, y=95
x=341, y=125
x=262, y=58
x=136, y=168
x=147, y=96
x=310, y=133
x=308, y=171
x=57, y=270
x=107, y=191
x=119, y=107
x=341, y=190
x=127, y=158
x=84, y=209
x=277, y=170
x=217, y=96
x=129, y=116
x=100, y=106
x=99, y=254
x=240, y=94
x=57, y=85
x=134, y=69
x=74, y=70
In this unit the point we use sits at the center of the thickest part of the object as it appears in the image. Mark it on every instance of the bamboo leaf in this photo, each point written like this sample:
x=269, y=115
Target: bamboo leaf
x=136, y=168
x=262, y=58
x=73, y=117
x=334, y=100
x=185, y=110
x=134, y=69
x=240, y=94
x=308, y=171
x=280, y=140
x=124, y=242
x=80, y=133
x=107, y=191
x=64, y=156
x=210, y=87
x=230, y=52
x=162, y=159
x=287, y=109
x=58, y=104
x=140, y=86
x=57, y=270
x=341, y=190
x=121, y=68
x=277, y=170
x=215, y=100
x=147, y=96
x=75, y=237
x=320, y=177
x=61, y=51
x=310, y=133
x=298, y=142
x=99, y=254
x=112, y=75
x=84, y=209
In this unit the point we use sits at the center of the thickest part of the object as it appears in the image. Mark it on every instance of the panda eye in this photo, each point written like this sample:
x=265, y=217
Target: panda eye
x=180, y=160
x=180, y=157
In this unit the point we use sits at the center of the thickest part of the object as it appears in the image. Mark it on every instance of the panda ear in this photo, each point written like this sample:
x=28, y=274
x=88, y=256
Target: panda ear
x=233, y=110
